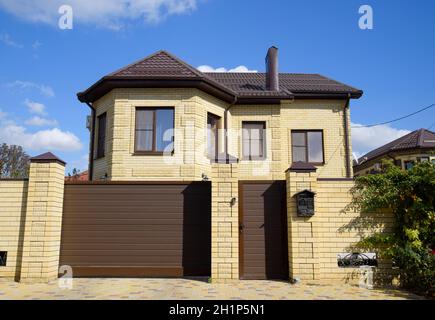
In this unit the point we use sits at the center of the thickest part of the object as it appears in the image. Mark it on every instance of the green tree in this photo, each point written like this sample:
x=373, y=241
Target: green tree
x=410, y=196
x=14, y=162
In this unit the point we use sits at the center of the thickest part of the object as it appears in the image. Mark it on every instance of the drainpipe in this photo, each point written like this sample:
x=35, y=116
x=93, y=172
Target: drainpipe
x=346, y=137
x=227, y=157
x=91, y=153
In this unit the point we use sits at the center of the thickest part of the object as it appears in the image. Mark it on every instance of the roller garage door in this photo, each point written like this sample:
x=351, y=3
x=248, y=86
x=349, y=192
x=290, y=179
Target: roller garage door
x=263, y=230
x=137, y=229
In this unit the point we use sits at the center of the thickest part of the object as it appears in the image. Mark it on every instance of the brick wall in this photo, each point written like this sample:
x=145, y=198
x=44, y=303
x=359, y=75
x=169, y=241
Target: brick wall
x=31, y=222
x=315, y=242
x=225, y=223
x=13, y=198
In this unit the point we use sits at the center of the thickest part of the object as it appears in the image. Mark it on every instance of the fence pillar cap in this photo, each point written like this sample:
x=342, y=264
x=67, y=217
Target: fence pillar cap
x=47, y=157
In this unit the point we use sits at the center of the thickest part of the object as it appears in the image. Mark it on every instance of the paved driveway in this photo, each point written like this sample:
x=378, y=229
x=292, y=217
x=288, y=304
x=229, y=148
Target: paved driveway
x=109, y=288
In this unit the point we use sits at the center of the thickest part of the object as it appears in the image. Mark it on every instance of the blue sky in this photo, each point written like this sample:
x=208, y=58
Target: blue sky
x=43, y=67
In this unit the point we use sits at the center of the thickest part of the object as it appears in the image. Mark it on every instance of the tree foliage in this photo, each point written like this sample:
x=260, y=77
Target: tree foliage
x=410, y=195
x=14, y=162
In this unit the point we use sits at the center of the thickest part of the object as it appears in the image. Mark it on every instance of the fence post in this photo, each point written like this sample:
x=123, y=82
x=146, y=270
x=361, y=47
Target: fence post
x=43, y=222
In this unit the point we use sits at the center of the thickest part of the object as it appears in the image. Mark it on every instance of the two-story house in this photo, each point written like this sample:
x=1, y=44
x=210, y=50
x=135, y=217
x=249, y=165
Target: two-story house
x=257, y=147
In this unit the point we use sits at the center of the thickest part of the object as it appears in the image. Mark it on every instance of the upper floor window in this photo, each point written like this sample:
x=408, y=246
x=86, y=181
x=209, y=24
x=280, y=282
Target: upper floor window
x=154, y=130
x=253, y=140
x=101, y=137
x=212, y=135
x=307, y=146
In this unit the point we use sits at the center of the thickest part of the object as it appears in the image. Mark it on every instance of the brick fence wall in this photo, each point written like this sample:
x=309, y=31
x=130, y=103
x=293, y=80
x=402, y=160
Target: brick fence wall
x=31, y=216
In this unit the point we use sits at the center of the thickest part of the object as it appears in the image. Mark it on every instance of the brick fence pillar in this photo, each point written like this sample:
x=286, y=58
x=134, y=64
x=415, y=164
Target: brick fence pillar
x=43, y=222
x=225, y=222
x=303, y=249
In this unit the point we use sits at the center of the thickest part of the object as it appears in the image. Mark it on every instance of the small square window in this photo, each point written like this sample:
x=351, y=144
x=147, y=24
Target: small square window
x=3, y=257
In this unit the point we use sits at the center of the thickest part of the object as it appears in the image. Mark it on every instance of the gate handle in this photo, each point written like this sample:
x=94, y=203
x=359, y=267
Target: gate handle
x=241, y=227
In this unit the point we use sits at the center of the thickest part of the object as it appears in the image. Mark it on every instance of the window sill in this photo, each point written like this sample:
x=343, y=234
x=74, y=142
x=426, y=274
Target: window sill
x=254, y=159
x=99, y=157
x=318, y=164
x=152, y=153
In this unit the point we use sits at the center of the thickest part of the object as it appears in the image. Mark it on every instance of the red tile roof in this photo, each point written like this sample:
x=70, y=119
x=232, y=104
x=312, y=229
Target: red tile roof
x=82, y=176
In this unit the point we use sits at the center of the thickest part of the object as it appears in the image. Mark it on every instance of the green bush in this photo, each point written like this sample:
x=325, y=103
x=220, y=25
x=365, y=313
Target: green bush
x=410, y=195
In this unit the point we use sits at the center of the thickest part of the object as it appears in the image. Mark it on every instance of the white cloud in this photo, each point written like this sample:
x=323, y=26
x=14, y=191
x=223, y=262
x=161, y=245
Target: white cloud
x=43, y=140
x=35, y=107
x=367, y=139
x=41, y=122
x=206, y=68
x=103, y=13
x=42, y=88
x=7, y=40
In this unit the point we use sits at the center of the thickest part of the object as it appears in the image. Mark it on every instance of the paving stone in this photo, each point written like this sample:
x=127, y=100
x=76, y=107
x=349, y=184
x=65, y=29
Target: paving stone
x=112, y=288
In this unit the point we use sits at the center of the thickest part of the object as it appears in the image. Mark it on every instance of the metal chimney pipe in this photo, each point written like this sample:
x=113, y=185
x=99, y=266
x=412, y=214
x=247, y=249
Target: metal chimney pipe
x=272, y=77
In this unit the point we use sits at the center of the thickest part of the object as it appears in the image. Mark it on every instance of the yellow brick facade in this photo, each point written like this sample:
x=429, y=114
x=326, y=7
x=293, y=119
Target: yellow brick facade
x=189, y=160
x=315, y=242
x=13, y=198
x=31, y=223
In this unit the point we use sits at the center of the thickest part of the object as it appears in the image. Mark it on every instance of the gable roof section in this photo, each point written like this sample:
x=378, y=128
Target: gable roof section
x=418, y=139
x=163, y=70
x=159, y=64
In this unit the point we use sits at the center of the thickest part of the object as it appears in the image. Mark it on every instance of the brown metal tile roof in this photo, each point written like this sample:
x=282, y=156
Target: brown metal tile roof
x=302, y=166
x=418, y=139
x=247, y=83
x=159, y=64
x=46, y=157
x=162, y=69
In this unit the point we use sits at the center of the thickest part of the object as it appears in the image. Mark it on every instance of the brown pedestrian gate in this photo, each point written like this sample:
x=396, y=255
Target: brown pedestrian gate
x=263, y=230
x=121, y=229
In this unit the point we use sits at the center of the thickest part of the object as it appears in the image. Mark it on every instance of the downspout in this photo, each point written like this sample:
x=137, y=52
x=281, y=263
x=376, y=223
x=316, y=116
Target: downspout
x=227, y=156
x=91, y=152
x=346, y=137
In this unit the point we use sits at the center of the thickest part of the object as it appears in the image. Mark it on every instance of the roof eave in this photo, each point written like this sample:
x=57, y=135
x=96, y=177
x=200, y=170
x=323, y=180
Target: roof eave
x=108, y=83
x=328, y=95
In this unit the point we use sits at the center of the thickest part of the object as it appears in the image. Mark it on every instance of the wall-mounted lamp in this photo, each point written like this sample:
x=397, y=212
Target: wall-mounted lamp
x=204, y=177
x=233, y=201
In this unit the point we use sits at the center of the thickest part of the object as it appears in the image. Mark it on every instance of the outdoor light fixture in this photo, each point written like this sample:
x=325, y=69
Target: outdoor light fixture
x=204, y=177
x=233, y=201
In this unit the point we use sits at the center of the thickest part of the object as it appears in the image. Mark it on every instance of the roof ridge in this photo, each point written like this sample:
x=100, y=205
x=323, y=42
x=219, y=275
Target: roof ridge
x=185, y=64
x=133, y=63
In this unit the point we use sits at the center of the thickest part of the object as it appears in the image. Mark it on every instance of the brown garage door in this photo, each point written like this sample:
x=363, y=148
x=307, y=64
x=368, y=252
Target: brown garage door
x=263, y=230
x=143, y=229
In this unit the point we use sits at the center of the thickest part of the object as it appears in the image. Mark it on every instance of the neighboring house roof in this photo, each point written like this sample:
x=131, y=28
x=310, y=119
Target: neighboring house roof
x=418, y=139
x=163, y=70
x=82, y=176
